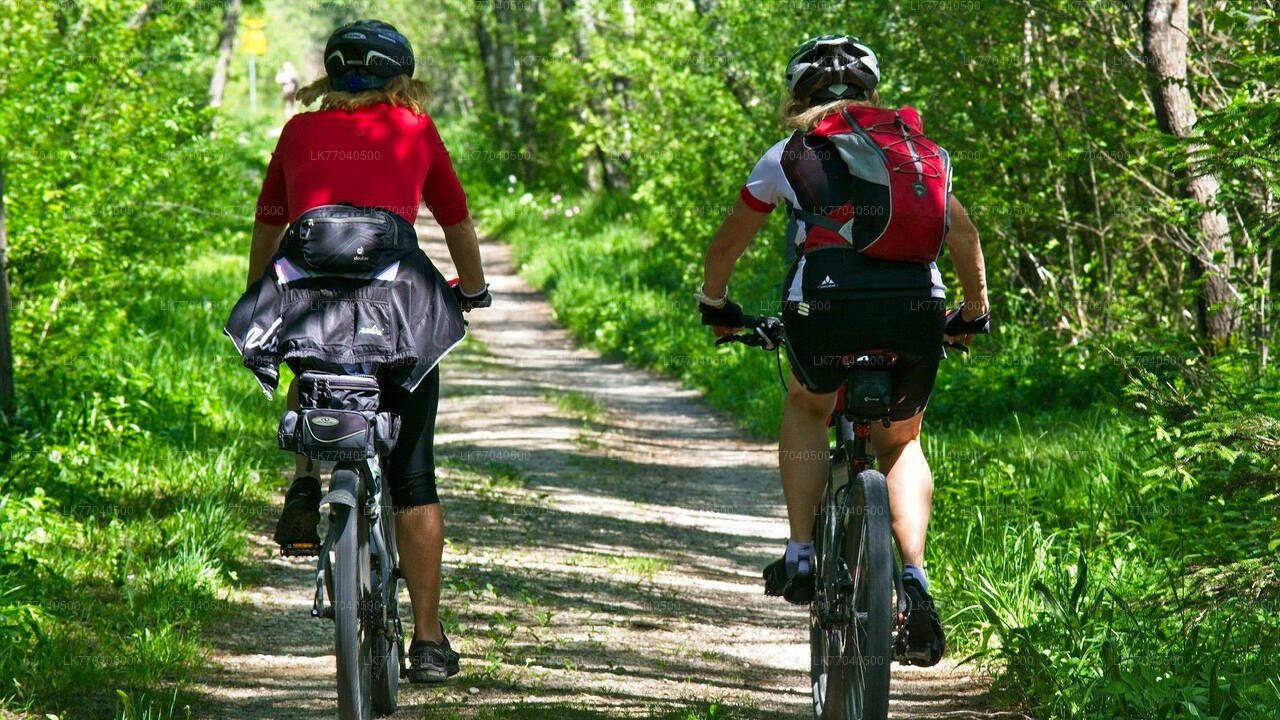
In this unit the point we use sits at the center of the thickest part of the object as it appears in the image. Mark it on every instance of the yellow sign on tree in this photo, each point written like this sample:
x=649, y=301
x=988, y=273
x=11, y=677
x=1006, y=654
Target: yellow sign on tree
x=255, y=39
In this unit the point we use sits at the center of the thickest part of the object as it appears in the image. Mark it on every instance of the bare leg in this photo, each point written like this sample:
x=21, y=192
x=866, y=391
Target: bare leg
x=420, y=540
x=910, y=484
x=802, y=455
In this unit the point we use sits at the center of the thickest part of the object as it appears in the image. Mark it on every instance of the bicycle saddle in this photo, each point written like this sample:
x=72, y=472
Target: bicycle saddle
x=870, y=360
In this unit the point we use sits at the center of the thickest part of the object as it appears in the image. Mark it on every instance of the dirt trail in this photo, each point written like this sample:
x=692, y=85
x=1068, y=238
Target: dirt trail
x=606, y=534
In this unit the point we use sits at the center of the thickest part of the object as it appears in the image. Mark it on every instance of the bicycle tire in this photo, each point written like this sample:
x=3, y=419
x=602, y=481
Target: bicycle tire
x=851, y=662
x=351, y=580
x=388, y=651
x=873, y=655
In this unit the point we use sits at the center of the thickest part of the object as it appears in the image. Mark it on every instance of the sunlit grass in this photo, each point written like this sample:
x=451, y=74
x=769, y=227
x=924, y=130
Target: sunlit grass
x=146, y=492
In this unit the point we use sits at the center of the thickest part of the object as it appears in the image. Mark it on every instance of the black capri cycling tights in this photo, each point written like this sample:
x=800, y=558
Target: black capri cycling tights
x=410, y=470
x=822, y=333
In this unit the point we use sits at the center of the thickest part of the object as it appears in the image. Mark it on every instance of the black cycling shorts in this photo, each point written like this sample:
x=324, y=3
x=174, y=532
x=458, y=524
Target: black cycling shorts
x=821, y=332
x=410, y=470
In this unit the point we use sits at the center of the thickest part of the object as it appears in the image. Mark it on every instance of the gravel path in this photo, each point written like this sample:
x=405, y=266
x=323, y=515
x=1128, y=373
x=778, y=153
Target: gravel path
x=606, y=534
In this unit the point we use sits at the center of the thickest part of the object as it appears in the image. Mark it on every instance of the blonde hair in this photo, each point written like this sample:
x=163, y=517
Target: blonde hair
x=400, y=90
x=803, y=116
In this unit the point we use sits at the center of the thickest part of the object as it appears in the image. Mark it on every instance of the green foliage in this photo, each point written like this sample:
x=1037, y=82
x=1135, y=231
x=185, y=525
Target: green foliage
x=1214, y=422
x=128, y=469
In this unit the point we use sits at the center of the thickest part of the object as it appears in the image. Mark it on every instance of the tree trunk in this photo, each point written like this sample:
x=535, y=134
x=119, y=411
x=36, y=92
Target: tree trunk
x=226, y=43
x=580, y=17
x=498, y=57
x=615, y=171
x=6, y=348
x=144, y=14
x=1164, y=35
x=505, y=56
x=531, y=22
x=484, y=43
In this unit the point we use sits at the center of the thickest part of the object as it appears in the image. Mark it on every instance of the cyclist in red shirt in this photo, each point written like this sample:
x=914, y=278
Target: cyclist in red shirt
x=372, y=144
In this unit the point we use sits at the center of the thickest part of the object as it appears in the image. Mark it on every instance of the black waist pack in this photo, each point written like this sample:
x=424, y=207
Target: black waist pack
x=338, y=419
x=348, y=239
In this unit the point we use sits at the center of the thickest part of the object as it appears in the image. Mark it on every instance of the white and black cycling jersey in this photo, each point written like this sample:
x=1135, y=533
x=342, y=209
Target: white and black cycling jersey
x=830, y=272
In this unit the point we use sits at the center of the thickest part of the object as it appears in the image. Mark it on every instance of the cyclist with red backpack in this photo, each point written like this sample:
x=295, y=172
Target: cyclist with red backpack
x=869, y=202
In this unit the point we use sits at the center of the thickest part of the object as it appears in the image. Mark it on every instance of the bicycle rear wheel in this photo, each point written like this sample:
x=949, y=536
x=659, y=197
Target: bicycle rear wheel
x=388, y=646
x=351, y=585
x=852, y=637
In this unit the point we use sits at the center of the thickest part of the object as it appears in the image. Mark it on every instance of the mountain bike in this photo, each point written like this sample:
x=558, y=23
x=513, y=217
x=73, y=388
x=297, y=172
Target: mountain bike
x=856, y=616
x=357, y=572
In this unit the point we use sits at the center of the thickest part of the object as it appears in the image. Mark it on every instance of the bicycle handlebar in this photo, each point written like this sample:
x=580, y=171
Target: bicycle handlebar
x=768, y=333
x=764, y=332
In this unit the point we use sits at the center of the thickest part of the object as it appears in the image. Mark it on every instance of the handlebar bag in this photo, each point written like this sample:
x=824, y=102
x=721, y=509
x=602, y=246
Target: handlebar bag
x=346, y=238
x=336, y=435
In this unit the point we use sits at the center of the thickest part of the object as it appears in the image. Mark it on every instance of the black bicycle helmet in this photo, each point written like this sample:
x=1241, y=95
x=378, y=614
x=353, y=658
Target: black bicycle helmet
x=832, y=67
x=365, y=54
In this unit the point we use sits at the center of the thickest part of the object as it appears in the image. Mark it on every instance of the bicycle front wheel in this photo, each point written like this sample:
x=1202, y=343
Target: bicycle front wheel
x=351, y=582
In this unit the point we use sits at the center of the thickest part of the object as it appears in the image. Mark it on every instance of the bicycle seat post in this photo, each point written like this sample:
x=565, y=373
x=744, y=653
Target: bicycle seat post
x=861, y=452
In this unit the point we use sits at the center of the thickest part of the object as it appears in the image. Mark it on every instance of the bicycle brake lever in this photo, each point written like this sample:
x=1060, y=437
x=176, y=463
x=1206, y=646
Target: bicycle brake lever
x=766, y=341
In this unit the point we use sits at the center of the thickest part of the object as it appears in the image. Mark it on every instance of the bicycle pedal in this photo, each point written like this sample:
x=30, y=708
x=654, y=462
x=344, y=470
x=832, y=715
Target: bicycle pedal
x=300, y=549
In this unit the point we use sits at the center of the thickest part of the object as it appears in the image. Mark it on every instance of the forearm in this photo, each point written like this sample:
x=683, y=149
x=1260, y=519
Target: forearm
x=730, y=241
x=265, y=240
x=464, y=250
x=966, y=253
x=720, y=260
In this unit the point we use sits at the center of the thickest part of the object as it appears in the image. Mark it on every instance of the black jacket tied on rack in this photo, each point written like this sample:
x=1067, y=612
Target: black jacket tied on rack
x=349, y=287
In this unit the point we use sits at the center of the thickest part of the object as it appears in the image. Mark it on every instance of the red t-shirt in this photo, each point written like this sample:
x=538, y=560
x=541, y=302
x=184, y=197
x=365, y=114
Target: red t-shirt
x=378, y=155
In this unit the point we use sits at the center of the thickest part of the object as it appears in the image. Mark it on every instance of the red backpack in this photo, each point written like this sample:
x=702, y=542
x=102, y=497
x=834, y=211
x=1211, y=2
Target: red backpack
x=869, y=179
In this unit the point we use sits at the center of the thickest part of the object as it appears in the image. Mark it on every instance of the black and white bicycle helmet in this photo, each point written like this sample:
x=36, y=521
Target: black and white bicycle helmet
x=832, y=67
x=365, y=54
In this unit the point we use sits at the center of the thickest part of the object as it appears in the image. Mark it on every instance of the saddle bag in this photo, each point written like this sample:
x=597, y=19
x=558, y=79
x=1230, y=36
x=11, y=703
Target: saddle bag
x=338, y=419
x=868, y=394
x=348, y=239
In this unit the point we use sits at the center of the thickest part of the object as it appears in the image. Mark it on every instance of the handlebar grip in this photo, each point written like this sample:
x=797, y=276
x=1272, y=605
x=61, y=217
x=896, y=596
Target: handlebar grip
x=762, y=332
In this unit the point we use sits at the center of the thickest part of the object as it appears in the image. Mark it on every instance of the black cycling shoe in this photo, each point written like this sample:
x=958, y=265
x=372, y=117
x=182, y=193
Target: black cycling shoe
x=797, y=588
x=296, y=532
x=431, y=662
x=921, y=640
